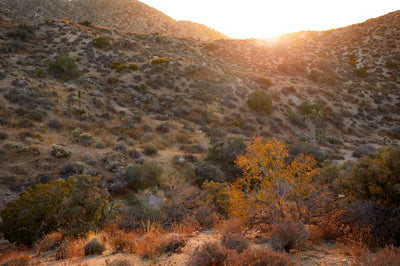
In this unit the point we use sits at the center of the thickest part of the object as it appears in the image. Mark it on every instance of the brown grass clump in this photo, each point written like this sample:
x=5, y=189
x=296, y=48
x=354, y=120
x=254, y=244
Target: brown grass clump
x=49, y=242
x=210, y=253
x=148, y=245
x=261, y=257
x=71, y=248
x=287, y=235
x=123, y=242
x=232, y=236
x=390, y=255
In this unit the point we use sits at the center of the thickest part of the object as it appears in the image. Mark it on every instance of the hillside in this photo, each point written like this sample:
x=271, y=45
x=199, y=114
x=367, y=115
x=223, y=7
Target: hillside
x=92, y=99
x=131, y=15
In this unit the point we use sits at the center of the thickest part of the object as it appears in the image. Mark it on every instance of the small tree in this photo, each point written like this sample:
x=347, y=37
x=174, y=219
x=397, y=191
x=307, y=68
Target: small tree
x=270, y=187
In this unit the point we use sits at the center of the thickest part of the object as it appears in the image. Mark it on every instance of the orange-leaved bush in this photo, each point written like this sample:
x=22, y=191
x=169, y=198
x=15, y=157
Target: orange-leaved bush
x=271, y=188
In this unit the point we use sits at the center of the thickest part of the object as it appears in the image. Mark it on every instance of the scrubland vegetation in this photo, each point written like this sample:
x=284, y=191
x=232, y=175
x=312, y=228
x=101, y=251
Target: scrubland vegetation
x=118, y=148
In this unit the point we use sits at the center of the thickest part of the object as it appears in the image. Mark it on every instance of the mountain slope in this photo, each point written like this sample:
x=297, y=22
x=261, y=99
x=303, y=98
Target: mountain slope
x=131, y=15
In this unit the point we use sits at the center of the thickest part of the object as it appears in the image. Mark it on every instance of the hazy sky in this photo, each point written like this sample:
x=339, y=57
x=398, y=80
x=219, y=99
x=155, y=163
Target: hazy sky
x=258, y=18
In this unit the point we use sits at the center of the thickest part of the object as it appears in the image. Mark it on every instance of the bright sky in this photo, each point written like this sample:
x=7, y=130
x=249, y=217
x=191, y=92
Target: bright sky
x=266, y=18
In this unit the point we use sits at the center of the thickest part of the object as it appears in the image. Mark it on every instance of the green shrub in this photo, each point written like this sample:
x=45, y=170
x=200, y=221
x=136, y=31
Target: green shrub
x=34, y=213
x=306, y=108
x=149, y=150
x=260, y=100
x=361, y=72
x=63, y=68
x=75, y=206
x=101, y=42
x=265, y=81
x=377, y=178
x=22, y=32
x=133, y=175
x=160, y=61
x=87, y=207
x=150, y=174
x=86, y=23
x=391, y=64
x=133, y=67
x=94, y=247
x=115, y=64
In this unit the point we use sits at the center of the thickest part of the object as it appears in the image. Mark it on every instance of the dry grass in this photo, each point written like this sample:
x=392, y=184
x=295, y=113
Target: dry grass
x=49, y=242
x=15, y=258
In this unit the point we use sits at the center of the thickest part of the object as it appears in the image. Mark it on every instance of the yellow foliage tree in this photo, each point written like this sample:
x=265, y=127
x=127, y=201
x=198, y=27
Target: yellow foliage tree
x=271, y=188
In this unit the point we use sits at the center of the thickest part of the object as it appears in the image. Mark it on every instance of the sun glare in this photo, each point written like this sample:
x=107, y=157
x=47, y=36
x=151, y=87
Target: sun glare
x=265, y=18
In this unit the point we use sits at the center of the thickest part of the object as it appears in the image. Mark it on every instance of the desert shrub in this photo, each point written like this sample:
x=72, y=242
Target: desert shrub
x=87, y=207
x=171, y=243
x=94, y=247
x=260, y=100
x=205, y=217
x=133, y=67
x=150, y=173
x=34, y=213
x=190, y=69
x=101, y=42
x=149, y=150
x=225, y=153
x=115, y=64
x=361, y=72
x=22, y=32
x=160, y=61
x=85, y=139
x=133, y=176
x=307, y=149
x=163, y=128
x=209, y=254
x=217, y=196
x=389, y=255
x=297, y=119
x=391, y=64
x=120, y=146
x=265, y=81
x=54, y=123
x=63, y=68
x=382, y=222
x=364, y=150
x=216, y=132
x=377, y=178
x=306, y=108
x=3, y=136
x=134, y=153
x=261, y=257
x=60, y=151
x=235, y=241
x=86, y=23
x=287, y=234
x=145, y=205
x=100, y=145
x=207, y=172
